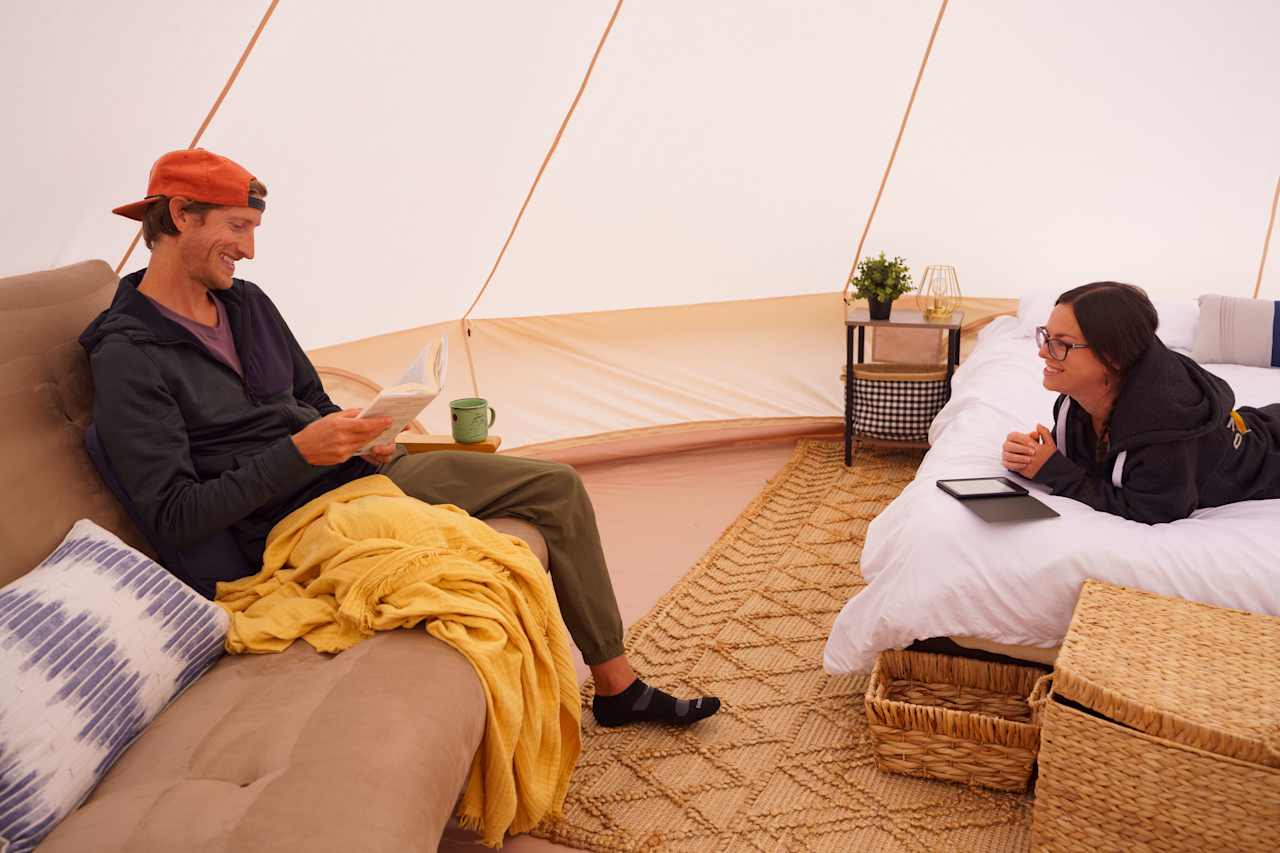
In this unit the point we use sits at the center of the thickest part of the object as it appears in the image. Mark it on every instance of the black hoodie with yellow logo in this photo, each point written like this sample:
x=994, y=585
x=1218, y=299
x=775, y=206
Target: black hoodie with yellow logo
x=1174, y=445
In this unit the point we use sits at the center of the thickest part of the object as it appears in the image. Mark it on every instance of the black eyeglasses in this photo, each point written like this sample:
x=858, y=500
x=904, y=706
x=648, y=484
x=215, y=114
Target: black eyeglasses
x=1058, y=350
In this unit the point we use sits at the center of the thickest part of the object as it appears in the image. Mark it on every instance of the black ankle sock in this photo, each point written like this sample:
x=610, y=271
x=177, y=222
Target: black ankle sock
x=641, y=703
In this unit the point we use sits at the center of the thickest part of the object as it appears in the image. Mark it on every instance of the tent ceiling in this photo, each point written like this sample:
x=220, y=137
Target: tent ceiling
x=725, y=150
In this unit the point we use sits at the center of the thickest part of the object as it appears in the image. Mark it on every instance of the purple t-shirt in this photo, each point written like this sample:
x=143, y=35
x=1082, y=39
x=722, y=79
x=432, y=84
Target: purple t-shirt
x=217, y=339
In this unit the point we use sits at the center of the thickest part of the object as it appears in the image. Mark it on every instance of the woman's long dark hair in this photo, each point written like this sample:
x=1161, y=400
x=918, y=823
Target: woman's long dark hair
x=1118, y=321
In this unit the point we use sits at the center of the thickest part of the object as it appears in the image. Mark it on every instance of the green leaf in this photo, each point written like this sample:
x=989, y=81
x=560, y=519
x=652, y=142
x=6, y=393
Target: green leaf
x=882, y=279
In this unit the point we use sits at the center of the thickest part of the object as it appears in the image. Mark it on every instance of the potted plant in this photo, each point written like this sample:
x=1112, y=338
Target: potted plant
x=880, y=281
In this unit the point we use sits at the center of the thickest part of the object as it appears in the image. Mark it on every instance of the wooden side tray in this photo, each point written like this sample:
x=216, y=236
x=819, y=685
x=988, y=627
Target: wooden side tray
x=414, y=442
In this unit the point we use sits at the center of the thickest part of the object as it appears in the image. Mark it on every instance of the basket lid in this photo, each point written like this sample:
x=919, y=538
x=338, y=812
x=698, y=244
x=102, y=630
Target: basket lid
x=1203, y=676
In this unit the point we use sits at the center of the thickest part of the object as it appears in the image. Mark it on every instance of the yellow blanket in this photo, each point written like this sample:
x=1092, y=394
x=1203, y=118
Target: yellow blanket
x=364, y=558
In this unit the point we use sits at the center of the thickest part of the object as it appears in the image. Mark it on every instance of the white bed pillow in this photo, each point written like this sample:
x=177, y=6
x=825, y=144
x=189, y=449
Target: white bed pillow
x=1178, y=318
x=1034, y=310
x=94, y=642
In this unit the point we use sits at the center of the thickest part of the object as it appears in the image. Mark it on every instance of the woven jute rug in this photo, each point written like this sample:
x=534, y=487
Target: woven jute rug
x=786, y=765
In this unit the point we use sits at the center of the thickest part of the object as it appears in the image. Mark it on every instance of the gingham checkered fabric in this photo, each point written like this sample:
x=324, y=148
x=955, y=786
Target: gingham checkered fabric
x=896, y=409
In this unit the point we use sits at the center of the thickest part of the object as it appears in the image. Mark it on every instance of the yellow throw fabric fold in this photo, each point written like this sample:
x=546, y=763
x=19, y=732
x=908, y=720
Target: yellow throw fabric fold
x=366, y=557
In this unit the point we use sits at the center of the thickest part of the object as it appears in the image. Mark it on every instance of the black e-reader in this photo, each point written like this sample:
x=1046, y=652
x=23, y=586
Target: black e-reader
x=996, y=499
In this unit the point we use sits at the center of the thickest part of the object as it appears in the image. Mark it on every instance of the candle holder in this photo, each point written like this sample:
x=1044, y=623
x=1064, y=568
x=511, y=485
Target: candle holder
x=939, y=293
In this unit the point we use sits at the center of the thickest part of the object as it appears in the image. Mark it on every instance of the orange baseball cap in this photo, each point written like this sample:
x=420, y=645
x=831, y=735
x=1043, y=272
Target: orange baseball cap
x=199, y=175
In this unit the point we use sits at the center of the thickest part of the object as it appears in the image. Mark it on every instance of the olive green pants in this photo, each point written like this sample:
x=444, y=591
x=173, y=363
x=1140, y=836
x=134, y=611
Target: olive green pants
x=549, y=496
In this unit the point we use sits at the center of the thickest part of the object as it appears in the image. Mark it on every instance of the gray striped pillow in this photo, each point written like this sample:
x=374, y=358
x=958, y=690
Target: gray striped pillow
x=94, y=642
x=1238, y=330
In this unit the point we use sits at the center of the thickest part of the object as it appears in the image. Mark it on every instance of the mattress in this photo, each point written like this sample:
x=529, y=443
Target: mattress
x=934, y=569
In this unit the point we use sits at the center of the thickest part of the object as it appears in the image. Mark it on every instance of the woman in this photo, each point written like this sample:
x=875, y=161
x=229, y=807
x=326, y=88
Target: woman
x=1139, y=431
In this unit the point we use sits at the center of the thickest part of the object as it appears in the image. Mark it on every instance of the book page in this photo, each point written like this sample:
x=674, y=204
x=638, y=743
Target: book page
x=405, y=401
x=416, y=374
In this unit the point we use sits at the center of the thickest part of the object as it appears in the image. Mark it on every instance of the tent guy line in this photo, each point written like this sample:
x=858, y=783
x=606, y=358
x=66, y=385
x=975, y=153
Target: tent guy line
x=902, y=128
x=463, y=321
x=204, y=125
x=1266, y=241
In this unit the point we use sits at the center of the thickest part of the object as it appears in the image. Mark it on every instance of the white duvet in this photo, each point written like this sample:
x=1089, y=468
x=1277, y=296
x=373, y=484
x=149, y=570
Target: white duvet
x=935, y=569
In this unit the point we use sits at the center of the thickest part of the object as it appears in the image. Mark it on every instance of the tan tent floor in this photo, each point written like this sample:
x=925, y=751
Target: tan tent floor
x=657, y=515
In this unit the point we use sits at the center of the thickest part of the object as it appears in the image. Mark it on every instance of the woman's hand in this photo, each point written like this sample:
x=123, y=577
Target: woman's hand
x=1026, y=452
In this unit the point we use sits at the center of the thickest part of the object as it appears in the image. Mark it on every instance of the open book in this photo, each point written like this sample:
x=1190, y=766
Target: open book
x=403, y=401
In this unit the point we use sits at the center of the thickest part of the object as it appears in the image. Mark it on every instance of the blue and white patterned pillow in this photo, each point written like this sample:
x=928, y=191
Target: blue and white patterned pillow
x=94, y=642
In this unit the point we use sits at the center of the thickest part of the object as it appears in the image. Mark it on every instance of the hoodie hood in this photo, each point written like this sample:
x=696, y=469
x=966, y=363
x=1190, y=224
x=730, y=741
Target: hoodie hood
x=133, y=315
x=1168, y=397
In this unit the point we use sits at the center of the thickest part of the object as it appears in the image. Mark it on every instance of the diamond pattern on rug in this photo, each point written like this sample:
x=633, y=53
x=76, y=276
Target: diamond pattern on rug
x=786, y=765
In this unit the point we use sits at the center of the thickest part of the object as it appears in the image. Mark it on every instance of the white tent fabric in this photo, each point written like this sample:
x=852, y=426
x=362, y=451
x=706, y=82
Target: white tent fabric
x=724, y=151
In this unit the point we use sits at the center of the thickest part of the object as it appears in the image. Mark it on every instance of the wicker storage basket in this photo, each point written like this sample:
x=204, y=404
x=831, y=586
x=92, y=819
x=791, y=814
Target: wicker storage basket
x=1159, y=732
x=897, y=402
x=954, y=719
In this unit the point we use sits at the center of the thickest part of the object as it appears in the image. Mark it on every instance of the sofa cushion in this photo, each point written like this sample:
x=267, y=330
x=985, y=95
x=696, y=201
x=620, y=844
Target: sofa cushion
x=94, y=642
x=366, y=750
x=46, y=395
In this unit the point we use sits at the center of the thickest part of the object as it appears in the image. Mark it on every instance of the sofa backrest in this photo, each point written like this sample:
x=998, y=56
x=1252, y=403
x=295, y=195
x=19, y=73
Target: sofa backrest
x=47, y=481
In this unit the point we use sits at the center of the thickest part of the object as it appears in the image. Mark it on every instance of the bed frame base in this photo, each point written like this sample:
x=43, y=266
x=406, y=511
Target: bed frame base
x=976, y=649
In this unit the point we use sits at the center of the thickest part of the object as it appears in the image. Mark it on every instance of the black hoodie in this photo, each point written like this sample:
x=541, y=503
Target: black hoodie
x=196, y=447
x=1174, y=445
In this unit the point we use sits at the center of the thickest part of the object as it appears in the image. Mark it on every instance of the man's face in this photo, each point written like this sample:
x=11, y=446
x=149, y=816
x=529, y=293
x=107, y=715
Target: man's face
x=211, y=248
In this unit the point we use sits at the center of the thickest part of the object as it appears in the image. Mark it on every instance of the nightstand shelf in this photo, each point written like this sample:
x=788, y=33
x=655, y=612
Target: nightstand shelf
x=859, y=319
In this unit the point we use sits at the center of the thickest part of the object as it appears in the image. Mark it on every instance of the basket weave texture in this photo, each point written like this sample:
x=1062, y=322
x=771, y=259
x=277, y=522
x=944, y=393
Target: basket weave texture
x=1168, y=738
x=880, y=372
x=1203, y=676
x=954, y=719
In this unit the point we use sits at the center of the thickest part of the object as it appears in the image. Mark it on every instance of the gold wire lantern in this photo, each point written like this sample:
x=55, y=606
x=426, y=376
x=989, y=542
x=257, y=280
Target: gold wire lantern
x=939, y=293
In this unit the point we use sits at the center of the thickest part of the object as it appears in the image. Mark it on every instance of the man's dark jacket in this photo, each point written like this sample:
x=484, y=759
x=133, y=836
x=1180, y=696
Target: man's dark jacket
x=1181, y=450
x=198, y=449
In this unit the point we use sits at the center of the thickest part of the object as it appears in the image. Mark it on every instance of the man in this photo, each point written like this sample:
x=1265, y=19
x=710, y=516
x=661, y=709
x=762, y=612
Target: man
x=213, y=418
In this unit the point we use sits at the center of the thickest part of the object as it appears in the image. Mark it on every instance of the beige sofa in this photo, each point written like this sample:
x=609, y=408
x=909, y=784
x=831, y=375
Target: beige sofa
x=363, y=751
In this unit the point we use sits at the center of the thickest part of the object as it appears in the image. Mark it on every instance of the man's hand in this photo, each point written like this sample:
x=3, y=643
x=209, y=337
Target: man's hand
x=335, y=438
x=379, y=454
x=1026, y=452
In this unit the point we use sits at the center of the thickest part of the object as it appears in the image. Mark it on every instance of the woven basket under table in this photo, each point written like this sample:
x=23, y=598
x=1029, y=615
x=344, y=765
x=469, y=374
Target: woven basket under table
x=954, y=719
x=1161, y=730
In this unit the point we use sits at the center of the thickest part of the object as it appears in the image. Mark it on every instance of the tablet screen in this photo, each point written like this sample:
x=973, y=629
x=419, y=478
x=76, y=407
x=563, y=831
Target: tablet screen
x=989, y=486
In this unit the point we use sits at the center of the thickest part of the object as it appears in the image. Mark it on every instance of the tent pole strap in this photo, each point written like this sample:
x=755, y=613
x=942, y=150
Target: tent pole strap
x=1266, y=242
x=465, y=324
x=204, y=125
x=884, y=179
x=555, y=143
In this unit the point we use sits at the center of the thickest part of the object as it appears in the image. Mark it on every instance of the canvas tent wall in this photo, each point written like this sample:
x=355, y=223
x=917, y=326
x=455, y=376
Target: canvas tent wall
x=725, y=152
